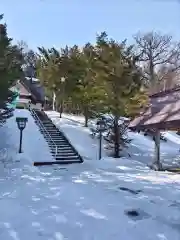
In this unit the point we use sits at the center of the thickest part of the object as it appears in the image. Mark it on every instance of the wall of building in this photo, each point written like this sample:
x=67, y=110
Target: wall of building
x=36, y=106
x=26, y=104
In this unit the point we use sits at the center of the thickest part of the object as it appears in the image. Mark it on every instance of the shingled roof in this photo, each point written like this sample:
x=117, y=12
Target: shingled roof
x=35, y=88
x=163, y=112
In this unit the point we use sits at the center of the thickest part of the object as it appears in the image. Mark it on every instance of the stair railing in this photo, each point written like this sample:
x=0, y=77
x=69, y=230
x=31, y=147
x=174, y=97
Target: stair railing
x=44, y=129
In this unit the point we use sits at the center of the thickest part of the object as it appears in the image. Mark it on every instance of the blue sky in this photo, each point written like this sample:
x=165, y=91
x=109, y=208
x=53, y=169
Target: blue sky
x=60, y=22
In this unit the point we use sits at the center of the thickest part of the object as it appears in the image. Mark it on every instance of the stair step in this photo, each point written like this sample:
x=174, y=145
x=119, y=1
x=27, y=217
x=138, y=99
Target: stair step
x=56, y=162
x=67, y=157
x=61, y=146
x=59, y=140
x=61, y=143
x=54, y=134
x=49, y=131
x=47, y=121
x=52, y=129
x=42, y=130
x=48, y=137
x=49, y=126
x=58, y=143
x=55, y=138
x=63, y=152
x=63, y=149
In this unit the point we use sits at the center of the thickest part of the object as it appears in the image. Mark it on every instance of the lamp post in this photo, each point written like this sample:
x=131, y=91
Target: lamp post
x=100, y=127
x=62, y=96
x=54, y=97
x=21, y=122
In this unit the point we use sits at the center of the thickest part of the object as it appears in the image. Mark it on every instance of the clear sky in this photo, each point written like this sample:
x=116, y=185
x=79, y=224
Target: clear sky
x=60, y=22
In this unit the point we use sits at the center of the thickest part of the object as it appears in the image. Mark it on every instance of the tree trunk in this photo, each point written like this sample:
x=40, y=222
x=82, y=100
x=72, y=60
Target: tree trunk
x=86, y=115
x=86, y=121
x=61, y=109
x=54, y=101
x=153, y=83
x=116, y=137
x=157, y=163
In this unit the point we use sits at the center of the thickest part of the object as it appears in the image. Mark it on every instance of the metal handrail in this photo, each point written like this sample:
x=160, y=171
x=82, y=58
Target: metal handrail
x=40, y=122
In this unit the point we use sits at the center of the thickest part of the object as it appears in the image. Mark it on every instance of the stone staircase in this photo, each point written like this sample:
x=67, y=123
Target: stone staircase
x=61, y=149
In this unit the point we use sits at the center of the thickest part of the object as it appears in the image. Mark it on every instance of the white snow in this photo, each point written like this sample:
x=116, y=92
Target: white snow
x=82, y=201
x=34, y=146
x=141, y=147
x=33, y=79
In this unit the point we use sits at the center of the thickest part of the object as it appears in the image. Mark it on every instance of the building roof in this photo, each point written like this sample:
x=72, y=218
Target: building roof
x=23, y=91
x=163, y=112
x=35, y=88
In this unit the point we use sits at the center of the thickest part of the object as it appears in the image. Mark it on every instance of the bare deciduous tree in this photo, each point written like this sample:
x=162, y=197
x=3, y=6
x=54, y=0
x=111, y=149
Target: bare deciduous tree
x=167, y=79
x=159, y=57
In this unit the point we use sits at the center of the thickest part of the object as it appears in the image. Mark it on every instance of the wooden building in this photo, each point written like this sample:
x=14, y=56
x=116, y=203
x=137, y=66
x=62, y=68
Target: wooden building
x=31, y=92
x=163, y=113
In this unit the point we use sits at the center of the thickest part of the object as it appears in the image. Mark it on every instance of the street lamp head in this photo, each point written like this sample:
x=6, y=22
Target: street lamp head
x=21, y=122
x=63, y=79
x=101, y=124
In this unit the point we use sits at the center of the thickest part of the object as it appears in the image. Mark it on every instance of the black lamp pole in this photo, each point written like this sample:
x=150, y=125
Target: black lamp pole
x=100, y=144
x=20, y=142
x=21, y=122
x=101, y=127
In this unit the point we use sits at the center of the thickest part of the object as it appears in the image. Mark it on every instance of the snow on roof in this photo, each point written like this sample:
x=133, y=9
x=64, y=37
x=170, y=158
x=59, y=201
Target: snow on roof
x=23, y=100
x=33, y=79
x=35, y=88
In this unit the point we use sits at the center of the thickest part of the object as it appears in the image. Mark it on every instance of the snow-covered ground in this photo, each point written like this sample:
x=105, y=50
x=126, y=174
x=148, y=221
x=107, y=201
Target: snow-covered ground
x=140, y=149
x=82, y=201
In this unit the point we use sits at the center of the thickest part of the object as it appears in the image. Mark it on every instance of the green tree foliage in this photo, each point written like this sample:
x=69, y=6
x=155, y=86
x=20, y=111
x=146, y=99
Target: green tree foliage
x=10, y=65
x=121, y=78
x=86, y=91
x=100, y=78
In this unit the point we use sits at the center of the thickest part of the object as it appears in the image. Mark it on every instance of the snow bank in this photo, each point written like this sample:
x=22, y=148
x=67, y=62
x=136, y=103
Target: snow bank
x=141, y=147
x=83, y=201
x=78, y=135
x=34, y=146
